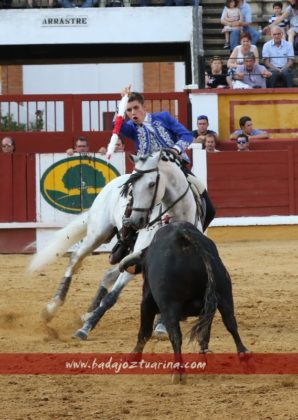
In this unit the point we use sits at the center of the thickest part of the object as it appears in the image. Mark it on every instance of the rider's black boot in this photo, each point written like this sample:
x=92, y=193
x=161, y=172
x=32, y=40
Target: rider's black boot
x=124, y=245
x=119, y=251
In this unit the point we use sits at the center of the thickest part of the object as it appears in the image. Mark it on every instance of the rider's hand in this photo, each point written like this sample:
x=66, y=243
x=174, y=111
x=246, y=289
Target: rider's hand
x=126, y=91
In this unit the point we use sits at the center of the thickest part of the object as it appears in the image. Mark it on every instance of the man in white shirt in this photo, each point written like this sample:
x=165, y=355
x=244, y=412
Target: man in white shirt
x=278, y=56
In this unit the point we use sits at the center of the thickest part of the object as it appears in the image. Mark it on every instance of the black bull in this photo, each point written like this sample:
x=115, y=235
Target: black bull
x=184, y=276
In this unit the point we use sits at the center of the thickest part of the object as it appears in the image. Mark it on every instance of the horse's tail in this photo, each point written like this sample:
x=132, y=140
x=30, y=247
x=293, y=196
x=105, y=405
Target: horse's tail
x=204, y=321
x=62, y=240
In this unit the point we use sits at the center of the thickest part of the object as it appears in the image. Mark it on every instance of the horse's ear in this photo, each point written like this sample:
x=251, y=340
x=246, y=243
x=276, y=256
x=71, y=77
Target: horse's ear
x=133, y=158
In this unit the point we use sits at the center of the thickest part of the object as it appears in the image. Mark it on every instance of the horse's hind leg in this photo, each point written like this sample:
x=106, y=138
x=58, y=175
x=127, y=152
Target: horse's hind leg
x=107, y=282
x=59, y=297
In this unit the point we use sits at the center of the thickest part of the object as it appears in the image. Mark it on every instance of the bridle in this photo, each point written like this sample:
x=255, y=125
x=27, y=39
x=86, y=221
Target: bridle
x=149, y=209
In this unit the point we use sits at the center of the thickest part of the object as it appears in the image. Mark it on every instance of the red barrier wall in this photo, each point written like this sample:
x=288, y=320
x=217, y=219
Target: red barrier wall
x=255, y=183
x=17, y=186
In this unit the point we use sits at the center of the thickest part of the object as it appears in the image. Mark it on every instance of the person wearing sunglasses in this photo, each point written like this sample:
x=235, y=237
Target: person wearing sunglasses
x=202, y=130
x=8, y=145
x=242, y=143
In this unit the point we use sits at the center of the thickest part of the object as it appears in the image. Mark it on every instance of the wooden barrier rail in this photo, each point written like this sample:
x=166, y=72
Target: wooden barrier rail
x=255, y=183
x=17, y=185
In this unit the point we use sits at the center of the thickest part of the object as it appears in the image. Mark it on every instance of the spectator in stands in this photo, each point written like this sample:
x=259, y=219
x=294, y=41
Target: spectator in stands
x=252, y=74
x=277, y=12
x=81, y=146
x=244, y=24
x=231, y=13
x=215, y=78
x=210, y=143
x=236, y=57
x=120, y=147
x=242, y=143
x=246, y=127
x=8, y=145
x=72, y=3
x=278, y=55
x=290, y=13
x=200, y=134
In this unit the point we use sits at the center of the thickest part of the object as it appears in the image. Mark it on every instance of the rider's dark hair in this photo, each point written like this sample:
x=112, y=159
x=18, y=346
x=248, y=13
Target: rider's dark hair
x=135, y=96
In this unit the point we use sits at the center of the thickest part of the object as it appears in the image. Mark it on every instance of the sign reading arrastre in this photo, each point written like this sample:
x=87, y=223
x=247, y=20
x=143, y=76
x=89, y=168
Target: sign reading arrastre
x=50, y=21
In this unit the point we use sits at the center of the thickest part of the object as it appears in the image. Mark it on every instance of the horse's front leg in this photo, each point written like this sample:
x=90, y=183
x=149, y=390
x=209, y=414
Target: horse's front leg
x=107, y=282
x=107, y=302
x=59, y=297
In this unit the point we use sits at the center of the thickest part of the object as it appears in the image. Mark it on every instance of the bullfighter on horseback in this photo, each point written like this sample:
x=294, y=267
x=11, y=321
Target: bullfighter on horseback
x=151, y=133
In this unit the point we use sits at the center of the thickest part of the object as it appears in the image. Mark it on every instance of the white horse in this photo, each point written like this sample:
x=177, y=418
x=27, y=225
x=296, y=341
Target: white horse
x=157, y=179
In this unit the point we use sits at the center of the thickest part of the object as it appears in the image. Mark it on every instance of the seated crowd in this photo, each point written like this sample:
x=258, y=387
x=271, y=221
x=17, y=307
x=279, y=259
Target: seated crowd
x=278, y=53
x=243, y=68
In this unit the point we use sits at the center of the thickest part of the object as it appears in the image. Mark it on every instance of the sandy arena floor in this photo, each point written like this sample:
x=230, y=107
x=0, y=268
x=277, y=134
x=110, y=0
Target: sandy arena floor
x=264, y=274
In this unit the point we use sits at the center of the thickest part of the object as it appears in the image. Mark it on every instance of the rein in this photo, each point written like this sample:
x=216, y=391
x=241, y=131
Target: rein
x=149, y=209
x=171, y=206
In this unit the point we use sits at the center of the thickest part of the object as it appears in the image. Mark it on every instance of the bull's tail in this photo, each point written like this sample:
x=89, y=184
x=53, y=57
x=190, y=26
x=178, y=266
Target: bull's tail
x=201, y=327
x=60, y=243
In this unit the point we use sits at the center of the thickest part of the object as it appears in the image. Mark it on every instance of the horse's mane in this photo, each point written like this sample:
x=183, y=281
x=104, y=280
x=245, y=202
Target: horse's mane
x=127, y=184
x=167, y=155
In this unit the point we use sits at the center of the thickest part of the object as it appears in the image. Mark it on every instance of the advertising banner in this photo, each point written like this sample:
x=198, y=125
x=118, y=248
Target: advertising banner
x=67, y=186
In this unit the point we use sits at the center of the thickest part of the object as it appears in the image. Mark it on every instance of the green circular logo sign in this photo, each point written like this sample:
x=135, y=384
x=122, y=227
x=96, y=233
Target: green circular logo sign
x=72, y=184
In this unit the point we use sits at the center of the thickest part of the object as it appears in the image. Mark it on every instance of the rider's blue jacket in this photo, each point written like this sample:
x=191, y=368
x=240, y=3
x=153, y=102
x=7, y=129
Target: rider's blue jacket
x=159, y=130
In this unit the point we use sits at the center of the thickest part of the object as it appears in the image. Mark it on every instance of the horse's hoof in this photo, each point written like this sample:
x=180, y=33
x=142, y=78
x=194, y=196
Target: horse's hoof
x=45, y=315
x=81, y=335
x=49, y=311
x=178, y=379
x=160, y=332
